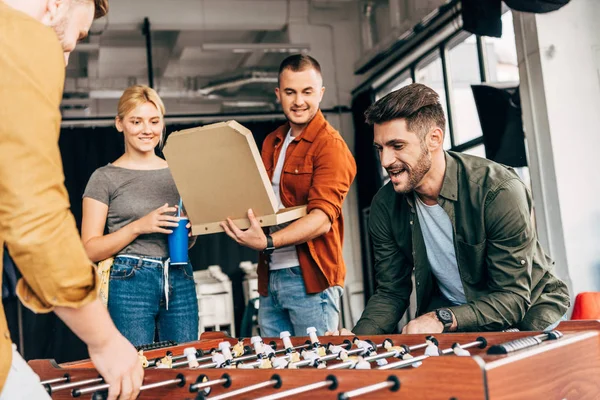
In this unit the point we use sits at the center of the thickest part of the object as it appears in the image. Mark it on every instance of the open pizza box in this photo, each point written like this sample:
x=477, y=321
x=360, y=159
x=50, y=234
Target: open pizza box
x=219, y=174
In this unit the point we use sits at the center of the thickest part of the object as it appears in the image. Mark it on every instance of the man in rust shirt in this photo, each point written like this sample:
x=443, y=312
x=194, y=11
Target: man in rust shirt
x=301, y=270
x=36, y=225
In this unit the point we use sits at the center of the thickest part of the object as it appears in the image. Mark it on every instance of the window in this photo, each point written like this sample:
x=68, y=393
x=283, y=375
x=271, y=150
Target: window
x=463, y=66
x=501, y=53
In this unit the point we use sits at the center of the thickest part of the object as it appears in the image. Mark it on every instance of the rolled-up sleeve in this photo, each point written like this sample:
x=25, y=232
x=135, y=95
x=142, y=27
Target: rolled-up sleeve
x=36, y=224
x=334, y=171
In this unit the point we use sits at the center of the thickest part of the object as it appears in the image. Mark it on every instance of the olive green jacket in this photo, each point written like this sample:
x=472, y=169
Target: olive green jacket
x=505, y=273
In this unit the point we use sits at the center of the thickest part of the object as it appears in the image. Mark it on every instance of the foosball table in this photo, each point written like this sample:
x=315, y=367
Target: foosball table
x=559, y=364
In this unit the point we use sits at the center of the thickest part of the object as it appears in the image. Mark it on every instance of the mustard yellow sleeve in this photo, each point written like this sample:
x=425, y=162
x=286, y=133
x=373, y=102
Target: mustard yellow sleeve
x=36, y=224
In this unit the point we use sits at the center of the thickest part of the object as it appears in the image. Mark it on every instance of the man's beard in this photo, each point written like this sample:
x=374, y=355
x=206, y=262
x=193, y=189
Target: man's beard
x=416, y=173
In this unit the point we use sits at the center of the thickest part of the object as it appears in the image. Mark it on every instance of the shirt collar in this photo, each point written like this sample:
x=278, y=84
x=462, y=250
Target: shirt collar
x=309, y=133
x=450, y=184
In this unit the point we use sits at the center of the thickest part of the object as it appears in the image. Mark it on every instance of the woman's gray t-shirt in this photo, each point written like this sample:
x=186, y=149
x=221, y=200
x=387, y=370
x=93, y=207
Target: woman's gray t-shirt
x=131, y=194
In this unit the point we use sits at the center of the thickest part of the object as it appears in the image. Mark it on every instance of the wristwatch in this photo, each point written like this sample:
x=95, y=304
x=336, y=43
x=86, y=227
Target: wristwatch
x=270, y=248
x=444, y=315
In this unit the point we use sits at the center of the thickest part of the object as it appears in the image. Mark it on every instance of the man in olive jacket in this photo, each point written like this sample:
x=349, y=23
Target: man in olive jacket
x=461, y=223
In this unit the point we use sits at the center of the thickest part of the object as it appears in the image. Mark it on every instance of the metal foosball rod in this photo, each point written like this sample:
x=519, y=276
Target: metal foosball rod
x=481, y=342
x=524, y=343
x=247, y=357
x=274, y=382
x=203, y=383
x=375, y=357
x=72, y=385
x=179, y=381
x=330, y=383
x=392, y=383
x=64, y=378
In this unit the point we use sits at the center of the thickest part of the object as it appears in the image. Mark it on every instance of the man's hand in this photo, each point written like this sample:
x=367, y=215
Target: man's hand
x=253, y=237
x=426, y=323
x=118, y=363
x=341, y=332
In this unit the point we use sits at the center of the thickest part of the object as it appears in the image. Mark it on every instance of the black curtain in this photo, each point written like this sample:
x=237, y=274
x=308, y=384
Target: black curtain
x=368, y=180
x=83, y=151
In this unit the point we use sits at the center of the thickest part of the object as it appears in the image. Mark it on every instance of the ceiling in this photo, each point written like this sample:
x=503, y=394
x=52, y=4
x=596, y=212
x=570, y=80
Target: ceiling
x=208, y=56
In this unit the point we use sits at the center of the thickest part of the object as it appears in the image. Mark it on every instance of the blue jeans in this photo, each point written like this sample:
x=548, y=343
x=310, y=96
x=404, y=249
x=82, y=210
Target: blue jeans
x=287, y=307
x=136, y=301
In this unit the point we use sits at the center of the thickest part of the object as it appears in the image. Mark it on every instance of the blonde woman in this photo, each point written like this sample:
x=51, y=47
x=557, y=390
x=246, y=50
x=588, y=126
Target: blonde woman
x=134, y=198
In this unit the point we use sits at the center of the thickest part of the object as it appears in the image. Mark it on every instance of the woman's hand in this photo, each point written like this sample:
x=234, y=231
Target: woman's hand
x=157, y=221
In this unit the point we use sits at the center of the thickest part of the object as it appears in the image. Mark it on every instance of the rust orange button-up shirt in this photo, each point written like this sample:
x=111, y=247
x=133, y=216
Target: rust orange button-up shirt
x=318, y=171
x=36, y=224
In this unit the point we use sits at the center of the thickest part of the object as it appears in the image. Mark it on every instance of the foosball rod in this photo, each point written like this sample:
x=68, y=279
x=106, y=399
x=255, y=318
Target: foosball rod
x=64, y=378
x=375, y=357
x=392, y=383
x=275, y=382
x=71, y=385
x=330, y=383
x=481, y=342
x=179, y=381
x=238, y=359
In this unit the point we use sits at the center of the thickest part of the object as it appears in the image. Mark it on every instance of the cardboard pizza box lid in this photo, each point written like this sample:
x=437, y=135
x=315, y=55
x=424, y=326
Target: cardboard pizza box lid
x=219, y=173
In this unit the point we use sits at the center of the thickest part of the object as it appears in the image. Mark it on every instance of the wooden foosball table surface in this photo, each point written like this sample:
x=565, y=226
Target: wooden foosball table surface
x=561, y=364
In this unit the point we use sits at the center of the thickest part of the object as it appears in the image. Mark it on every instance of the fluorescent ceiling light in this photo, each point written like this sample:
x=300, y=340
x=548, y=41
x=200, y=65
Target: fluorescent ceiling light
x=257, y=47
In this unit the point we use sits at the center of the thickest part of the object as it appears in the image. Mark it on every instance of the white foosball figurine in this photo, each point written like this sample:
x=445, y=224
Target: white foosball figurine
x=143, y=359
x=225, y=348
x=238, y=349
x=334, y=349
x=190, y=354
x=313, y=357
x=459, y=351
x=279, y=362
x=314, y=339
x=362, y=363
x=367, y=348
x=293, y=355
x=432, y=349
x=217, y=358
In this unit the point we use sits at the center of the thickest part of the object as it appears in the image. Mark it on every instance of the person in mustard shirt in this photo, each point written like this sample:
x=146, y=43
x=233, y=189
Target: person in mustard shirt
x=36, y=225
x=301, y=270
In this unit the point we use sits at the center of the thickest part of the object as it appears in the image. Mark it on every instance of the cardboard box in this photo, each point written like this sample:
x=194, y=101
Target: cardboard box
x=219, y=174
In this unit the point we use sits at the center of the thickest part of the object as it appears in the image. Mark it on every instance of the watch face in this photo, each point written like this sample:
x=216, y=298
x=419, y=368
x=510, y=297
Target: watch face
x=445, y=315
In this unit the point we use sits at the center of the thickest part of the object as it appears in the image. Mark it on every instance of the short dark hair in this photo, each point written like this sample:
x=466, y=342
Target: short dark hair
x=298, y=62
x=100, y=7
x=418, y=104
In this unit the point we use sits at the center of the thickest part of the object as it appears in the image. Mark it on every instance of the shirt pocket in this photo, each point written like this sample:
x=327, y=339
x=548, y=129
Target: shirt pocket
x=471, y=262
x=297, y=180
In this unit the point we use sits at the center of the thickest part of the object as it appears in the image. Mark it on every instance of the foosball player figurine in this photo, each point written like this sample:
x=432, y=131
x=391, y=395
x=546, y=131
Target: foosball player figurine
x=238, y=349
x=165, y=362
x=314, y=339
x=293, y=355
x=361, y=363
x=367, y=348
x=334, y=349
x=190, y=354
x=432, y=349
x=217, y=358
x=225, y=348
x=459, y=351
x=261, y=350
x=279, y=362
x=143, y=359
x=313, y=357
